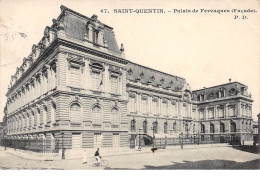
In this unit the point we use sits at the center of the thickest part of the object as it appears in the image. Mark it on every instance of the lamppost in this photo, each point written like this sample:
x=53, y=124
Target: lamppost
x=5, y=141
x=140, y=139
x=152, y=128
x=181, y=140
x=63, y=149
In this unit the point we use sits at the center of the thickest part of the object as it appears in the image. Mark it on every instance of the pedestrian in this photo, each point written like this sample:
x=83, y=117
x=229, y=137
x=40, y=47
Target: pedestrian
x=97, y=156
x=85, y=156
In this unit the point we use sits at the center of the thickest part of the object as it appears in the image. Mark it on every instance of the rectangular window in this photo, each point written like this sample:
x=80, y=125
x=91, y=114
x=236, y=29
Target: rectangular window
x=95, y=36
x=114, y=85
x=164, y=108
x=132, y=104
x=74, y=76
x=96, y=81
x=232, y=111
x=144, y=105
x=155, y=107
x=76, y=140
x=97, y=140
x=174, y=110
x=201, y=114
x=116, y=140
x=211, y=113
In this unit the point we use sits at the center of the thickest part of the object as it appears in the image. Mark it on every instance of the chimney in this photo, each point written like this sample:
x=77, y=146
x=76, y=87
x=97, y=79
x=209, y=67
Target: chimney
x=229, y=79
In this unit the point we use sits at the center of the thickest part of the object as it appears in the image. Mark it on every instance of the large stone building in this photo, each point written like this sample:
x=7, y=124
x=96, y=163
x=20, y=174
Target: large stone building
x=77, y=83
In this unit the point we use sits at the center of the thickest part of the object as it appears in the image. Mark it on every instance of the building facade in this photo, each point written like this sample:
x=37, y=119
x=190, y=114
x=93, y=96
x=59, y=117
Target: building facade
x=77, y=85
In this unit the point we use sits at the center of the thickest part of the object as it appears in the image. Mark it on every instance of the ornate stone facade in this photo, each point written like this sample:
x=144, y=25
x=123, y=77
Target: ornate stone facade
x=77, y=81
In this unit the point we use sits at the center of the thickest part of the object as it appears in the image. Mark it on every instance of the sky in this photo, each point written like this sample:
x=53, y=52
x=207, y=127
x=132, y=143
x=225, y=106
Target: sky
x=206, y=49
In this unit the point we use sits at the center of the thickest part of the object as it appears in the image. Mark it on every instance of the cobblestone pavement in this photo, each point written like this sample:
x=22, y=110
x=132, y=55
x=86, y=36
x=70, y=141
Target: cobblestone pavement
x=214, y=157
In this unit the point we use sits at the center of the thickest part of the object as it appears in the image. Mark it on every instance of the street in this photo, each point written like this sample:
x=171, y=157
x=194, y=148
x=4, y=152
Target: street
x=200, y=158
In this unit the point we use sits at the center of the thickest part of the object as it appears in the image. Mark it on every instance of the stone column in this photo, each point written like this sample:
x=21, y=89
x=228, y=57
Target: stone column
x=226, y=110
x=239, y=109
x=106, y=82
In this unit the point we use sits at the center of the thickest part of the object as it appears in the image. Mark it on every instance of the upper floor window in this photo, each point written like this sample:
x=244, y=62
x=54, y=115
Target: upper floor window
x=97, y=76
x=53, y=112
x=174, y=108
x=95, y=36
x=231, y=111
x=221, y=111
x=44, y=115
x=155, y=106
x=97, y=81
x=74, y=76
x=211, y=113
x=114, y=84
x=201, y=114
x=144, y=105
x=132, y=102
x=165, y=107
x=185, y=110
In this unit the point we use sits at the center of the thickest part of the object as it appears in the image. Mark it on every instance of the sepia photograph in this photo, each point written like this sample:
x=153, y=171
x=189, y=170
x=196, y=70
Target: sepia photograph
x=129, y=85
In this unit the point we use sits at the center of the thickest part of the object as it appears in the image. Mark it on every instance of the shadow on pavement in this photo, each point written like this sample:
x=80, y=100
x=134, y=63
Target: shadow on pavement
x=247, y=148
x=206, y=165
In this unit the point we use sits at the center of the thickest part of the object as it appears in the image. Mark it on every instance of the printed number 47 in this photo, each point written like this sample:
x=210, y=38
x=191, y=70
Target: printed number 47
x=104, y=11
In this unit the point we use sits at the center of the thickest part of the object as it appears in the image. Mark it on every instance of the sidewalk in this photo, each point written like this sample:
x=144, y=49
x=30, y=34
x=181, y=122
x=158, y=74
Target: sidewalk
x=74, y=154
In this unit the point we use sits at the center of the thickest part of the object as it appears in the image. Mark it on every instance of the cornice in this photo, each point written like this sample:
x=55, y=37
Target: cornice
x=56, y=43
x=146, y=88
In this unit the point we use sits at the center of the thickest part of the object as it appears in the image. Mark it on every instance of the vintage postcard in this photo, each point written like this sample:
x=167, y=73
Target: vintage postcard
x=139, y=85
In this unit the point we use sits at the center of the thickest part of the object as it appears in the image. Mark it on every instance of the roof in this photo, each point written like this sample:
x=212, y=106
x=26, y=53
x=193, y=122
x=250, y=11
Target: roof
x=75, y=27
x=232, y=88
x=145, y=75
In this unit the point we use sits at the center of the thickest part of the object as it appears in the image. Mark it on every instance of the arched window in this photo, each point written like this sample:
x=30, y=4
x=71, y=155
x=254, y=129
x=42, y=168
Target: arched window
x=75, y=114
x=31, y=119
x=44, y=115
x=133, y=128
x=96, y=115
x=165, y=128
x=155, y=127
x=222, y=128
x=38, y=119
x=232, y=127
x=212, y=128
x=53, y=112
x=202, y=129
x=145, y=126
x=115, y=118
x=174, y=127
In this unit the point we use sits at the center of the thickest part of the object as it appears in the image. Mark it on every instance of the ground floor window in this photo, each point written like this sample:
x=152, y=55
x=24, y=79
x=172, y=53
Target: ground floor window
x=202, y=137
x=76, y=140
x=97, y=140
x=116, y=140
